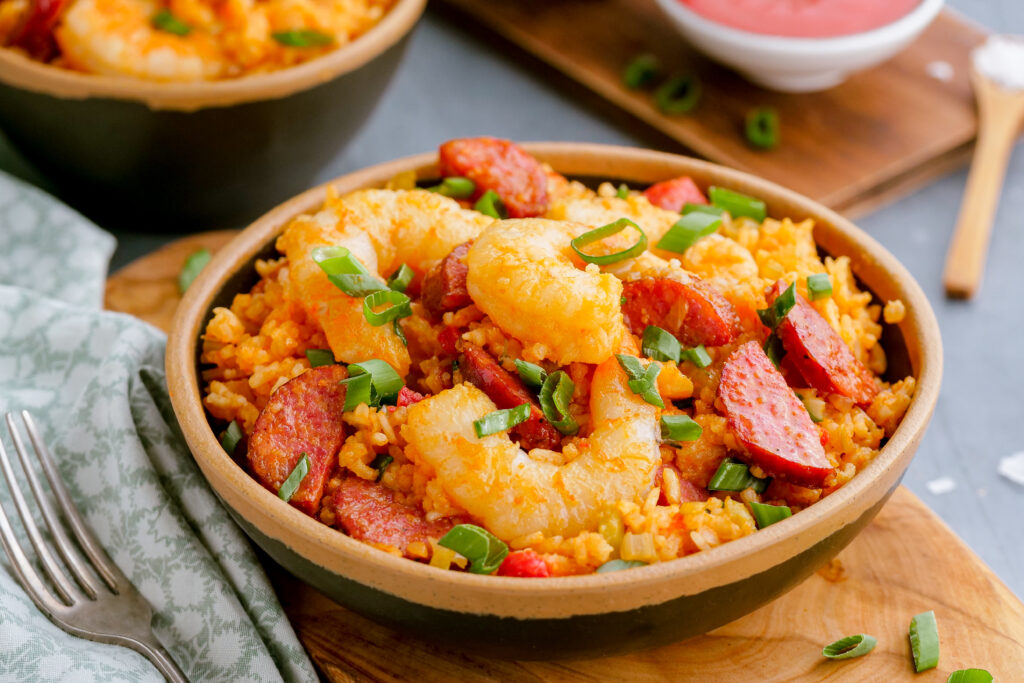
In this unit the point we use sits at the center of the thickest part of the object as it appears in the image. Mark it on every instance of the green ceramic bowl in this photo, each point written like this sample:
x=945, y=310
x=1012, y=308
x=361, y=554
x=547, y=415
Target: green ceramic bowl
x=600, y=614
x=188, y=156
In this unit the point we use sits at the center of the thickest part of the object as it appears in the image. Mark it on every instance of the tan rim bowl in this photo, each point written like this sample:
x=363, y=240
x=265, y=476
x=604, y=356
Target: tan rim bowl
x=750, y=571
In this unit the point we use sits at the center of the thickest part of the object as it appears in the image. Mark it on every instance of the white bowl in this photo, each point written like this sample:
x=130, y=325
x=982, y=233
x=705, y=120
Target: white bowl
x=793, y=64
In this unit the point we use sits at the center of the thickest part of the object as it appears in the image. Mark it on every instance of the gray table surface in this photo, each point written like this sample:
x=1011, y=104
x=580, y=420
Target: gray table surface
x=454, y=84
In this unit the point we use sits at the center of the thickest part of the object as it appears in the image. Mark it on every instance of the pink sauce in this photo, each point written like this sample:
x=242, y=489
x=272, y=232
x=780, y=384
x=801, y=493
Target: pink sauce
x=803, y=18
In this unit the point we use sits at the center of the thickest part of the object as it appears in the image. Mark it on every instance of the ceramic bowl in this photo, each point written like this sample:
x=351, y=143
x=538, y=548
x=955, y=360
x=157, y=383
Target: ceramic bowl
x=565, y=617
x=184, y=156
x=799, y=64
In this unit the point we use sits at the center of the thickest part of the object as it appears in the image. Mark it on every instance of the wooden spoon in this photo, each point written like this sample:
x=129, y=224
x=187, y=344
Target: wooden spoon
x=1000, y=113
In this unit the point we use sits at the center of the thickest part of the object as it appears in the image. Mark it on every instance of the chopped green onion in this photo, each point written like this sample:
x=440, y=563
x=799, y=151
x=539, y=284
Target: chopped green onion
x=383, y=380
x=490, y=204
x=232, y=436
x=815, y=406
x=291, y=484
x=302, y=37
x=967, y=675
x=380, y=463
x=167, y=22
x=346, y=272
x=766, y=515
x=763, y=127
x=676, y=429
x=607, y=231
x=924, y=641
x=819, y=286
x=357, y=286
x=687, y=230
x=532, y=375
x=733, y=475
x=399, y=332
x=319, y=357
x=484, y=550
x=698, y=355
x=660, y=344
x=678, y=95
x=643, y=382
x=400, y=307
x=358, y=390
x=554, y=397
x=501, y=420
x=195, y=262
x=783, y=304
x=850, y=647
x=455, y=187
x=400, y=279
x=641, y=71
x=619, y=565
x=710, y=209
x=623, y=191
x=773, y=349
x=738, y=204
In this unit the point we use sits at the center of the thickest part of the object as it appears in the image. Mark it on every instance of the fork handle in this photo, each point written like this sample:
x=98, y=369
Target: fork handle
x=152, y=650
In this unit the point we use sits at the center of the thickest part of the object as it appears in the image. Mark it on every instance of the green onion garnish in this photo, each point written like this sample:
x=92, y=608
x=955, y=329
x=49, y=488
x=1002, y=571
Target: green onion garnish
x=195, y=262
x=850, y=647
x=783, y=304
x=643, y=381
x=819, y=286
x=554, y=397
x=399, y=332
x=815, y=406
x=967, y=675
x=607, y=231
x=641, y=71
x=532, y=375
x=400, y=307
x=766, y=515
x=619, y=565
x=167, y=22
x=380, y=463
x=762, y=127
x=738, y=204
x=358, y=390
x=319, y=357
x=501, y=420
x=678, y=95
x=676, y=429
x=490, y=204
x=302, y=37
x=710, y=209
x=400, y=279
x=372, y=382
x=455, y=187
x=346, y=272
x=733, y=475
x=291, y=484
x=924, y=641
x=484, y=550
x=773, y=349
x=687, y=230
x=623, y=191
x=660, y=344
x=232, y=436
x=698, y=355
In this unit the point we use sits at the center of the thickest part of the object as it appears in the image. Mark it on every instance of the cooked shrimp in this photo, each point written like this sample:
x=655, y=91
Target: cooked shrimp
x=383, y=229
x=526, y=277
x=514, y=494
x=117, y=37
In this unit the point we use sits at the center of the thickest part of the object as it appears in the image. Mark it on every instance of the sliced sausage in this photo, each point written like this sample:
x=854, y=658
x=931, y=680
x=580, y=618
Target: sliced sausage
x=406, y=397
x=302, y=416
x=368, y=512
x=769, y=420
x=688, y=491
x=444, y=286
x=502, y=166
x=508, y=391
x=696, y=313
x=819, y=353
x=524, y=563
x=35, y=34
x=674, y=194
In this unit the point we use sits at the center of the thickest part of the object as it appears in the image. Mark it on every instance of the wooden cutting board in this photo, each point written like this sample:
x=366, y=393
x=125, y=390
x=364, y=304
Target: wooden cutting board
x=879, y=135
x=905, y=562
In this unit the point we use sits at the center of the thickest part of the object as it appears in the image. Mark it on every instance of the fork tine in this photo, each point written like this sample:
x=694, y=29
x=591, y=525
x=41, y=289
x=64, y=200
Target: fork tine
x=67, y=592
x=23, y=570
x=64, y=546
x=93, y=550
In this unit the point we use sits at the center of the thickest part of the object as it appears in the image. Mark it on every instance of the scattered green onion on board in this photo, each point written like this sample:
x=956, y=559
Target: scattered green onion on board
x=709, y=209
x=660, y=344
x=400, y=279
x=484, y=550
x=501, y=420
x=490, y=204
x=766, y=515
x=532, y=375
x=302, y=37
x=623, y=191
x=319, y=357
x=232, y=436
x=738, y=204
x=642, y=71
x=380, y=463
x=373, y=382
x=678, y=95
x=819, y=286
x=643, y=381
x=850, y=647
x=762, y=127
x=291, y=484
x=604, y=231
x=195, y=262
x=555, y=396
x=970, y=676
x=687, y=230
x=676, y=429
x=619, y=565
x=733, y=475
x=455, y=187
x=924, y=641
x=780, y=308
x=399, y=305
x=165, y=21
x=698, y=355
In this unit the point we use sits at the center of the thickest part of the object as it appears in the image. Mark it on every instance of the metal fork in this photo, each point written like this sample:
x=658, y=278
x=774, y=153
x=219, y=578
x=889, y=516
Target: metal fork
x=100, y=604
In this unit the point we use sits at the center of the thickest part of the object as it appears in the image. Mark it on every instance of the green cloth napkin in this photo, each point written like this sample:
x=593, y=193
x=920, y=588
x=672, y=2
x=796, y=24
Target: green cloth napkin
x=95, y=383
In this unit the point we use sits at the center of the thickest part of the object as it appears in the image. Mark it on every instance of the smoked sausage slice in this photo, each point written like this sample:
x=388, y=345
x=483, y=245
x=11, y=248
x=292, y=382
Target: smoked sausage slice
x=673, y=194
x=502, y=166
x=696, y=313
x=35, y=34
x=444, y=286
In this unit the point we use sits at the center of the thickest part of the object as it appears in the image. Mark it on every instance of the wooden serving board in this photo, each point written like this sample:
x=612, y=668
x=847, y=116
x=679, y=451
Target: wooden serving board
x=879, y=135
x=905, y=562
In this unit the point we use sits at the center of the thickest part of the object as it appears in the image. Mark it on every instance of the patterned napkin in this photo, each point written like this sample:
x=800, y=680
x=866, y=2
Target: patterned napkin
x=95, y=384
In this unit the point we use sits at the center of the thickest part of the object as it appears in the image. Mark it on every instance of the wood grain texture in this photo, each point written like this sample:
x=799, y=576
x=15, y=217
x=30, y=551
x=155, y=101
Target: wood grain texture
x=879, y=135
